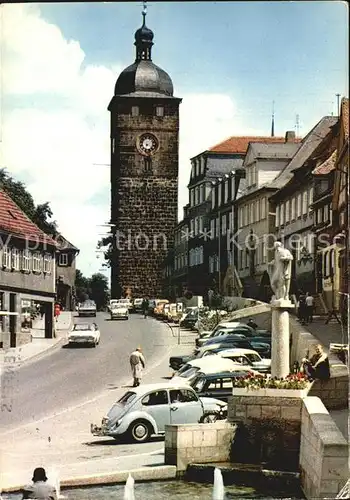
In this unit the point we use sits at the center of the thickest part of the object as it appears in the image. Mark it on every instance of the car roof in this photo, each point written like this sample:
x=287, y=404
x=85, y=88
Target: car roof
x=238, y=351
x=228, y=374
x=159, y=386
x=231, y=324
x=208, y=361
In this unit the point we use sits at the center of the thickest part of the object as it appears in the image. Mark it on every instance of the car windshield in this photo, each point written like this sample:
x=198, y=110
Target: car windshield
x=183, y=369
x=82, y=327
x=118, y=306
x=190, y=372
x=253, y=357
x=198, y=384
x=127, y=398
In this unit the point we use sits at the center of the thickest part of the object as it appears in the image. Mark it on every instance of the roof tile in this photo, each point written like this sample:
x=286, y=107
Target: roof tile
x=327, y=166
x=14, y=221
x=239, y=144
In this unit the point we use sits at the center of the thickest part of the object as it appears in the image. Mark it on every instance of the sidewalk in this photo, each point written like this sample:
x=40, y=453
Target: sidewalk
x=329, y=334
x=39, y=345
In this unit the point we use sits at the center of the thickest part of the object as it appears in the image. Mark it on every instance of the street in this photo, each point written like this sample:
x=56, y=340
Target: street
x=62, y=393
x=69, y=376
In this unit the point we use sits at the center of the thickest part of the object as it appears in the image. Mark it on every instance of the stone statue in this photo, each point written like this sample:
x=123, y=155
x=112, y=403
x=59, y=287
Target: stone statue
x=279, y=270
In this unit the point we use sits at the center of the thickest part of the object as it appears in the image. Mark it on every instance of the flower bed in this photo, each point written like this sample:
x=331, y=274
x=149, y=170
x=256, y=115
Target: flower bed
x=253, y=381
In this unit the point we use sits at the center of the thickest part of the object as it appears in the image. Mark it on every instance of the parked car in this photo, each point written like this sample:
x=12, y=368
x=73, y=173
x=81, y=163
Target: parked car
x=87, y=308
x=84, y=333
x=263, y=349
x=137, y=305
x=147, y=409
x=234, y=331
x=216, y=385
x=210, y=364
x=229, y=325
x=119, y=311
x=159, y=306
x=190, y=319
x=246, y=357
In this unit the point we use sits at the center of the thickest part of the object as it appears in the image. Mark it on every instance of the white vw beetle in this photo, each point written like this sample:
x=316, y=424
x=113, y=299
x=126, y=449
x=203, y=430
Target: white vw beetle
x=147, y=409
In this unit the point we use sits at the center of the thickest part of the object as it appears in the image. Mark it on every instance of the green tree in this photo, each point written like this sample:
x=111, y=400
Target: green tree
x=40, y=214
x=99, y=290
x=82, y=290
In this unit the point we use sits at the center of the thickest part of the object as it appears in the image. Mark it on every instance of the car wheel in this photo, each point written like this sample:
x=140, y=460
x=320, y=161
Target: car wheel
x=140, y=431
x=209, y=417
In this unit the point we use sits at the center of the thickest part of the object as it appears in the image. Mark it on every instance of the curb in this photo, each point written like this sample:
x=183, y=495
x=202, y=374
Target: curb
x=161, y=472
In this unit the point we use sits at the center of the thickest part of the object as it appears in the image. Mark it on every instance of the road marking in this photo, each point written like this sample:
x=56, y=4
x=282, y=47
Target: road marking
x=80, y=405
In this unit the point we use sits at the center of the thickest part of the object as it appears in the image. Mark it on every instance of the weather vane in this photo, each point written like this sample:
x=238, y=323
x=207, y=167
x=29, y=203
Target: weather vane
x=144, y=12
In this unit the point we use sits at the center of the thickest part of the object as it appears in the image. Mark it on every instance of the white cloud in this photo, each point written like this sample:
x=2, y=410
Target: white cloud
x=63, y=129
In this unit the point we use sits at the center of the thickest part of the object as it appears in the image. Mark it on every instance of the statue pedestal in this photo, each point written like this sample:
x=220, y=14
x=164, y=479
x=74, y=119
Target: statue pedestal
x=280, y=366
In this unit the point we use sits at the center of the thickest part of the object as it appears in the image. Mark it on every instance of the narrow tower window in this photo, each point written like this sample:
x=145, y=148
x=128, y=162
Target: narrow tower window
x=148, y=165
x=135, y=111
x=160, y=111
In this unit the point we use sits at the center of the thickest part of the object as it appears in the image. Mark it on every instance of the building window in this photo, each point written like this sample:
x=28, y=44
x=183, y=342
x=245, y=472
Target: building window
x=63, y=259
x=25, y=260
x=277, y=223
x=230, y=221
x=304, y=203
x=219, y=194
x=213, y=198
x=287, y=211
x=212, y=228
x=6, y=257
x=226, y=192
x=263, y=208
x=15, y=259
x=159, y=110
x=135, y=111
x=246, y=215
x=192, y=197
x=37, y=262
x=292, y=209
x=311, y=197
x=47, y=263
x=223, y=225
x=257, y=210
x=282, y=221
x=299, y=205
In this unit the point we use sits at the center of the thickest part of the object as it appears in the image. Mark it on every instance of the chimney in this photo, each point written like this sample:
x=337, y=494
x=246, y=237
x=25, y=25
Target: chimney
x=290, y=136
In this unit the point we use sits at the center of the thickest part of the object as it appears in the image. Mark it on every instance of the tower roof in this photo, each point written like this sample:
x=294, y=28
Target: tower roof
x=144, y=76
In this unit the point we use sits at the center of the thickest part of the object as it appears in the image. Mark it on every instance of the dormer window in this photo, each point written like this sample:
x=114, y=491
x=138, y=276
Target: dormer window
x=135, y=111
x=63, y=259
x=160, y=111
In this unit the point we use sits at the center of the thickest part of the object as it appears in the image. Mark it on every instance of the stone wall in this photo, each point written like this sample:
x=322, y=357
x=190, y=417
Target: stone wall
x=198, y=443
x=268, y=430
x=143, y=193
x=324, y=452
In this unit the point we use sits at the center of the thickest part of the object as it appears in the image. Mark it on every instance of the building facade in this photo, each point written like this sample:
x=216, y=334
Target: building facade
x=215, y=178
x=256, y=221
x=144, y=172
x=341, y=208
x=65, y=273
x=27, y=272
x=293, y=206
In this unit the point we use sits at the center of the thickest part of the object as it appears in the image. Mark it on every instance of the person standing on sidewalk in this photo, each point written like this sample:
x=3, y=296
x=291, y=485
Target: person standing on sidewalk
x=309, y=307
x=40, y=489
x=137, y=363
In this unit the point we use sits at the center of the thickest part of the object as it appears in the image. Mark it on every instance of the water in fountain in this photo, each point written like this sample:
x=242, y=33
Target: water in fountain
x=129, y=490
x=54, y=474
x=218, y=490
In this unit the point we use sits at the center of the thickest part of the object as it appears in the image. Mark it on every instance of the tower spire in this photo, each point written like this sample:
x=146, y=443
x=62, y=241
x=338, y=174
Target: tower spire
x=273, y=120
x=143, y=38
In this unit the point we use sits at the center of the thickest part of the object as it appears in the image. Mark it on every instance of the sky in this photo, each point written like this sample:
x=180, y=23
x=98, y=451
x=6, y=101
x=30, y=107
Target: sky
x=228, y=61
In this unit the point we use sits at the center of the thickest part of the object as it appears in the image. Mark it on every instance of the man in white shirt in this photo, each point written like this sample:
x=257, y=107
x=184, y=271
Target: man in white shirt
x=137, y=363
x=309, y=307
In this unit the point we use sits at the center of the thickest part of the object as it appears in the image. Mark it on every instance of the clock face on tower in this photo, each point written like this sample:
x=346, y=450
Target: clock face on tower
x=147, y=144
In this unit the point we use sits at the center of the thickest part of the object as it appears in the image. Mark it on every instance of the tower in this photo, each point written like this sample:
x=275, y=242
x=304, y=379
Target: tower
x=144, y=172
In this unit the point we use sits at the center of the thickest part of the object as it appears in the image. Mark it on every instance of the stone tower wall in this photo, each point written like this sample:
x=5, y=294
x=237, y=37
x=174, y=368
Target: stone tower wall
x=143, y=201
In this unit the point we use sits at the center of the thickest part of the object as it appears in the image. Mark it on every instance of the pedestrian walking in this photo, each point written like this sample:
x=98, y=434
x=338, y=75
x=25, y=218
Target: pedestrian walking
x=137, y=363
x=57, y=311
x=145, y=306
x=39, y=489
x=309, y=307
x=252, y=323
